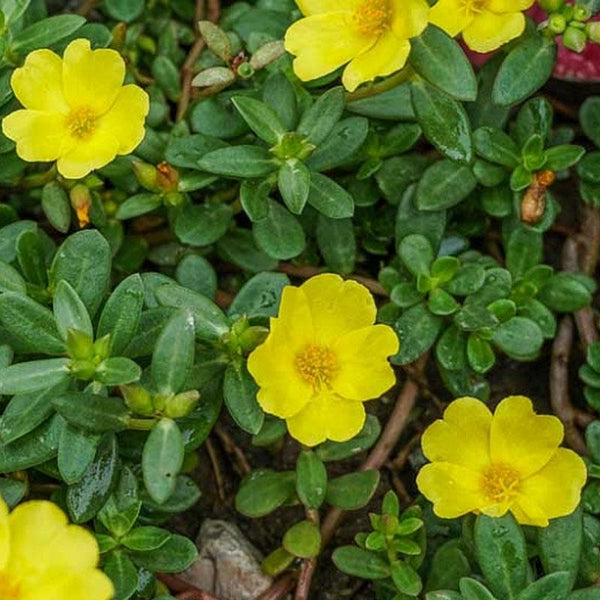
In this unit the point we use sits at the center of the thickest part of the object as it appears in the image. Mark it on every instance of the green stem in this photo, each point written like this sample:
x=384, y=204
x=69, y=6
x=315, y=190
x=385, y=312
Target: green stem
x=141, y=424
x=383, y=86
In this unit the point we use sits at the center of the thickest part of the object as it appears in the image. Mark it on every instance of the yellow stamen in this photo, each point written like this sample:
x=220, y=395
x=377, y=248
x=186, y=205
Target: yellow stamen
x=373, y=17
x=500, y=483
x=81, y=122
x=317, y=365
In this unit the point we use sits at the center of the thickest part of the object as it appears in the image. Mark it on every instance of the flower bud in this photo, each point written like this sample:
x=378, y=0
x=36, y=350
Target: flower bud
x=138, y=399
x=581, y=13
x=253, y=337
x=119, y=31
x=245, y=70
x=83, y=369
x=167, y=177
x=147, y=175
x=80, y=346
x=575, y=39
x=102, y=348
x=557, y=23
x=551, y=6
x=593, y=31
x=181, y=405
x=81, y=201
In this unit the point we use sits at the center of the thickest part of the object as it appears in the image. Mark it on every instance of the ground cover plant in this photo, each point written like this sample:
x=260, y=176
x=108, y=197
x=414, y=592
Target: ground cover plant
x=325, y=270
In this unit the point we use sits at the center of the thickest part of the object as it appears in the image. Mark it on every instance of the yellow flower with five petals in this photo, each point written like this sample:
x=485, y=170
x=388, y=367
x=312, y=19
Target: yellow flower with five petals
x=373, y=36
x=492, y=464
x=323, y=358
x=77, y=110
x=485, y=24
x=43, y=556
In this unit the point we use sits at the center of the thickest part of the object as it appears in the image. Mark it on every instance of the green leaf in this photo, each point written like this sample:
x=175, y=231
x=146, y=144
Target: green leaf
x=303, y=540
x=416, y=254
x=418, y=330
x=196, y=273
x=589, y=116
x=361, y=563
x=11, y=280
x=393, y=105
x=471, y=589
x=496, y=146
x=83, y=260
x=555, y=586
x=70, y=311
x=122, y=573
x=280, y=95
x=501, y=554
x=562, y=157
x=31, y=258
x=436, y=57
x=519, y=338
x=280, y=235
x=31, y=327
x=263, y=491
x=337, y=242
x=480, y=354
x=524, y=250
x=254, y=197
x=444, y=184
x=444, y=122
x=239, y=162
x=91, y=412
x=143, y=539
x=261, y=118
x=117, y=370
x=311, y=481
x=33, y=376
x=46, y=32
x=260, y=295
x=239, y=392
x=526, y=68
x=138, y=205
x=175, y=556
x=76, y=451
x=565, y=293
x=202, y=225
x=329, y=198
x=162, y=459
x=294, y=185
x=125, y=11
x=406, y=579
x=352, y=491
x=448, y=567
x=320, y=119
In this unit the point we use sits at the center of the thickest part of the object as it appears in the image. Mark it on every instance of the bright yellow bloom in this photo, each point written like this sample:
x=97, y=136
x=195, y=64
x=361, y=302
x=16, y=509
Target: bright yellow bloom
x=510, y=461
x=323, y=358
x=485, y=24
x=77, y=110
x=372, y=35
x=42, y=557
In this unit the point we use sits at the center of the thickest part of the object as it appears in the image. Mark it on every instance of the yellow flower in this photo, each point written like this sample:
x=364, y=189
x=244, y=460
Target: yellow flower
x=323, y=358
x=485, y=24
x=510, y=461
x=372, y=35
x=43, y=557
x=77, y=110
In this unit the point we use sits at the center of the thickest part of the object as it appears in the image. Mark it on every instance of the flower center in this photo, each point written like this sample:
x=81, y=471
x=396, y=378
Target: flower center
x=474, y=6
x=81, y=122
x=9, y=590
x=500, y=483
x=317, y=365
x=373, y=17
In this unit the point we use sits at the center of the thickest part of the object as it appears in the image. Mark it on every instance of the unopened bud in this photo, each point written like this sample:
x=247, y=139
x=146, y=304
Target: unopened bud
x=173, y=199
x=138, y=399
x=557, y=23
x=167, y=178
x=581, y=13
x=102, y=347
x=593, y=31
x=245, y=70
x=551, y=6
x=119, y=31
x=83, y=369
x=181, y=405
x=81, y=201
x=253, y=337
x=575, y=39
x=147, y=175
x=80, y=346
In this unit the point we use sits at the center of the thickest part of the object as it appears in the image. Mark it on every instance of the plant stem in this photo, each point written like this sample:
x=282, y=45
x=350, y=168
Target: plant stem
x=141, y=424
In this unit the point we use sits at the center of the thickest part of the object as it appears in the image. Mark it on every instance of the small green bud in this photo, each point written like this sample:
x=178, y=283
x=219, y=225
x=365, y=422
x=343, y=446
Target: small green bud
x=557, y=23
x=293, y=145
x=146, y=44
x=81, y=201
x=581, y=13
x=160, y=401
x=551, y=6
x=593, y=31
x=575, y=39
x=80, y=346
x=390, y=524
x=253, y=337
x=102, y=348
x=240, y=326
x=147, y=175
x=83, y=369
x=181, y=405
x=138, y=399
x=245, y=70
x=173, y=198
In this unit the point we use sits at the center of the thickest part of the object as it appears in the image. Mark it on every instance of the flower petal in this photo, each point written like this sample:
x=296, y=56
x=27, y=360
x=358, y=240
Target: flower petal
x=38, y=83
x=4, y=534
x=462, y=437
x=506, y=6
x=453, y=490
x=327, y=417
x=522, y=439
x=92, y=78
x=489, y=31
x=317, y=7
x=451, y=16
x=387, y=56
x=87, y=155
x=125, y=119
x=337, y=306
x=410, y=18
x=40, y=136
x=362, y=355
x=85, y=585
x=324, y=42
x=555, y=490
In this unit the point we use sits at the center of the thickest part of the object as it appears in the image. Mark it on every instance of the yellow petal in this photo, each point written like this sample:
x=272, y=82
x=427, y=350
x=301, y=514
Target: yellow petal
x=92, y=78
x=327, y=417
x=324, y=42
x=520, y=438
x=316, y=7
x=40, y=136
x=38, y=83
x=85, y=585
x=387, y=56
x=87, y=155
x=362, y=355
x=555, y=490
x=453, y=490
x=125, y=119
x=410, y=17
x=4, y=534
x=489, y=31
x=462, y=437
x=337, y=306
x=293, y=327
x=505, y=6
x=73, y=548
x=451, y=16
